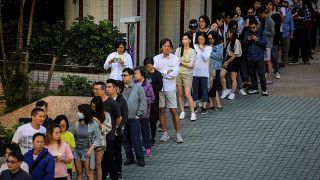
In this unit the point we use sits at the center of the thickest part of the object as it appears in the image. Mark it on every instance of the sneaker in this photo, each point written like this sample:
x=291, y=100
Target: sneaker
x=141, y=162
x=164, y=137
x=178, y=138
x=242, y=92
x=269, y=82
x=253, y=91
x=128, y=162
x=231, y=96
x=182, y=115
x=265, y=93
x=204, y=111
x=277, y=75
x=193, y=117
x=160, y=128
x=148, y=152
x=225, y=93
x=195, y=110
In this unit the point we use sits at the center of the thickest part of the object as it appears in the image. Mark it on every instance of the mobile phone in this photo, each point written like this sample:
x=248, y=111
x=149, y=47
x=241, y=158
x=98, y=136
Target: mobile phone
x=117, y=59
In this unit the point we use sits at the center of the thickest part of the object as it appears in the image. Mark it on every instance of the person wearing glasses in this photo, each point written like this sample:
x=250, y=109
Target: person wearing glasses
x=256, y=42
x=118, y=60
x=10, y=148
x=14, y=171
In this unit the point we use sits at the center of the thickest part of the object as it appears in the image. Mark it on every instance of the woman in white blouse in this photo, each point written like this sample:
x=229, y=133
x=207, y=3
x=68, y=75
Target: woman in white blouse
x=201, y=69
x=118, y=60
x=187, y=56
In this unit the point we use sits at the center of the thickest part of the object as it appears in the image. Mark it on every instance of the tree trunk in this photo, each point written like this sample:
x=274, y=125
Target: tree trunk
x=26, y=60
x=4, y=57
x=20, y=26
x=46, y=90
x=80, y=9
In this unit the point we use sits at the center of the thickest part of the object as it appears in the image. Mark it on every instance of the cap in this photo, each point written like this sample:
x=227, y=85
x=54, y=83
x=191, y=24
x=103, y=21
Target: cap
x=193, y=24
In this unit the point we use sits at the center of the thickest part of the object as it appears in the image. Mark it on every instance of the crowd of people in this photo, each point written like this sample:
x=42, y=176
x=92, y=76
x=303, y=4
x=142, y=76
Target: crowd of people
x=215, y=61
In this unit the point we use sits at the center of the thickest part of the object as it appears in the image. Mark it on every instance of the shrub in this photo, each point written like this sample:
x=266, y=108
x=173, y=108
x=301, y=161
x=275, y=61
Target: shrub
x=74, y=85
x=6, y=135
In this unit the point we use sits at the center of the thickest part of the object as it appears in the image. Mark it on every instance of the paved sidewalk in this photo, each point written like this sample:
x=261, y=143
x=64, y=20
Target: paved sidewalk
x=254, y=137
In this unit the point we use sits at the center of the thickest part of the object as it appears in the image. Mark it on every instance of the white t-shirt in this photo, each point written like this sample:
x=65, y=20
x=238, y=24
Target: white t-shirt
x=23, y=136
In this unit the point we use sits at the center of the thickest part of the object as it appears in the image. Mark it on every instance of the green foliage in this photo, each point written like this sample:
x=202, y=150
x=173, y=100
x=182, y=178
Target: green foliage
x=6, y=135
x=89, y=43
x=74, y=85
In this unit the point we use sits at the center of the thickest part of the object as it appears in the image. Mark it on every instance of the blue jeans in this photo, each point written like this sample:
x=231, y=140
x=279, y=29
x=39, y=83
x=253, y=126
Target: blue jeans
x=145, y=132
x=274, y=58
x=132, y=139
x=203, y=81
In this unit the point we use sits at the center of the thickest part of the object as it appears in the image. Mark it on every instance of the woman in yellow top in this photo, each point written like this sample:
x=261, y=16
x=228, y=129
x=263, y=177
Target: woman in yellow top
x=187, y=56
x=66, y=136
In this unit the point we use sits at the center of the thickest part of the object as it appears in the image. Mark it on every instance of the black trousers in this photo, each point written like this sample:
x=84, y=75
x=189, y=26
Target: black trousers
x=300, y=41
x=117, y=153
x=254, y=67
x=154, y=118
x=108, y=161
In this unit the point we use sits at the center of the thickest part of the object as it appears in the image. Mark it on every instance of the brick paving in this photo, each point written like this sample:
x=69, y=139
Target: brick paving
x=254, y=137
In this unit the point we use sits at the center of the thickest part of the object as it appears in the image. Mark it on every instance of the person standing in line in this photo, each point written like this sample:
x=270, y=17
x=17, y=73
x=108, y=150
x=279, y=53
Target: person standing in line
x=60, y=151
x=118, y=60
x=287, y=34
x=137, y=107
x=14, y=170
x=66, y=137
x=204, y=23
x=40, y=161
x=201, y=70
x=24, y=133
x=193, y=28
x=103, y=119
x=168, y=65
x=155, y=77
x=187, y=56
x=215, y=65
x=140, y=77
x=9, y=148
x=231, y=64
x=114, y=90
x=87, y=135
x=110, y=106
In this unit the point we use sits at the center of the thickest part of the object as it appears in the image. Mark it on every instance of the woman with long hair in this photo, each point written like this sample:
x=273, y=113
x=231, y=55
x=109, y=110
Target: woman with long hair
x=87, y=135
x=60, y=151
x=215, y=66
x=66, y=136
x=103, y=119
x=231, y=64
x=201, y=69
x=187, y=56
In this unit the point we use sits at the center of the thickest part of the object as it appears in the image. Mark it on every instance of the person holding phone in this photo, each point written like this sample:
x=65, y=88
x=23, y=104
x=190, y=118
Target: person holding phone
x=118, y=60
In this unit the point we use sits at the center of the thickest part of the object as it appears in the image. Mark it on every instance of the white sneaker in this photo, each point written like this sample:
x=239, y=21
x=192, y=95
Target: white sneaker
x=164, y=137
x=265, y=93
x=178, y=138
x=182, y=115
x=242, y=92
x=231, y=96
x=277, y=75
x=193, y=117
x=224, y=94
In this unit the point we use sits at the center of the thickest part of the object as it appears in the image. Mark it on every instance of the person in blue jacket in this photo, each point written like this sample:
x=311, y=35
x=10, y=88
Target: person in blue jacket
x=39, y=160
x=256, y=41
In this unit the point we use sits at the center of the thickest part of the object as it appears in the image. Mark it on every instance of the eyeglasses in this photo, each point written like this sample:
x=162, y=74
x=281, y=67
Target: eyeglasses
x=252, y=27
x=12, y=162
x=125, y=75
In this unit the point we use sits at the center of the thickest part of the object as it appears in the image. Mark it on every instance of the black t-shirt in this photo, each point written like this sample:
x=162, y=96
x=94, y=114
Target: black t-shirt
x=156, y=81
x=124, y=112
x=20, y=175
x=112, y=107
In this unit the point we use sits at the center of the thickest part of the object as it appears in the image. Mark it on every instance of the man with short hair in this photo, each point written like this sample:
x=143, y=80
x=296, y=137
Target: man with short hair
x=168, y=65
x=9, y=149
x=110, y=106
x=39, y=160
x=112, y=91
x=14, y=171
x=137, y=106
x=44, y=105
x=24, y=133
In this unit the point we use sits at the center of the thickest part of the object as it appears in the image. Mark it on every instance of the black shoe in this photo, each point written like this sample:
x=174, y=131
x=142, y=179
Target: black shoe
x=141, y=162
x=307, y=62
x=160, y=128
x=128, y=162
x=204, y=111
x=195, y=110
x=120, y=176
x=310, y=57
x=293, y=62
x=153, y=142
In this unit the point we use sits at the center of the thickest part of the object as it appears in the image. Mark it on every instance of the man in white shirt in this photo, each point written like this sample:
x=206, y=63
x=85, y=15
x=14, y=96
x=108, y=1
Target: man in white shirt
x=24, y=133
x=168, y=65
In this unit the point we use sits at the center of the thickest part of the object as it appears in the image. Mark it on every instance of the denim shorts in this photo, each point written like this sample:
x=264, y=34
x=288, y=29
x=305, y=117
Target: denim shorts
x=80, y=154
